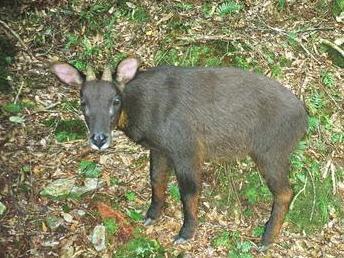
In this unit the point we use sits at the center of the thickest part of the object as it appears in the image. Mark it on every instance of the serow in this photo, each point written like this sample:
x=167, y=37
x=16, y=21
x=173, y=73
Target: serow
x=186, y=116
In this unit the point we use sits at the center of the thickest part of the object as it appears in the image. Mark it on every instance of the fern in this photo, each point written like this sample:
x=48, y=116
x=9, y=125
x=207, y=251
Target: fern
x=229, y=7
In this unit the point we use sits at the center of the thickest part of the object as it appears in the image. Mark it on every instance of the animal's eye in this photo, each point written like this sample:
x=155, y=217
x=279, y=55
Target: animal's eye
x=82, y=102
x=116, y=101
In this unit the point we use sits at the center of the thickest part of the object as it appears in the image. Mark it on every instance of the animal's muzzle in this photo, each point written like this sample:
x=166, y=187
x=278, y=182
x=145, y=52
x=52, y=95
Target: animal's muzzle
x=99, y=139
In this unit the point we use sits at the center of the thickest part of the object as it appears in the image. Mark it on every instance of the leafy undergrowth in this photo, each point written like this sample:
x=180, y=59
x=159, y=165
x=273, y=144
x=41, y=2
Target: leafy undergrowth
x=60, y=198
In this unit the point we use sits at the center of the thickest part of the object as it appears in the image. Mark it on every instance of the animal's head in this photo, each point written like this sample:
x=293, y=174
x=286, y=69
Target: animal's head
x=101, y=100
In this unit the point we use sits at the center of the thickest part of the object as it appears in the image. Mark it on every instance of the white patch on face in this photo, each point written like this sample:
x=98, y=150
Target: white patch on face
x=87, y=111
x=111, y=111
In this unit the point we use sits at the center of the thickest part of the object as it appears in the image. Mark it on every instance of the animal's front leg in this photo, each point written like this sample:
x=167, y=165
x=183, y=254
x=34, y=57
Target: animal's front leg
x=159, y=178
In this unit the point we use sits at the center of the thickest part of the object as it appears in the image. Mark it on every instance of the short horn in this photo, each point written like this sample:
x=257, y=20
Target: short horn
x=107, y=75
x=90, y=75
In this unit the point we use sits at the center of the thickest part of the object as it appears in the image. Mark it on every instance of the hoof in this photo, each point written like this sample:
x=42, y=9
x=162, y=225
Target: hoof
x=179, y=240
x=148, y=222
x=262, y=248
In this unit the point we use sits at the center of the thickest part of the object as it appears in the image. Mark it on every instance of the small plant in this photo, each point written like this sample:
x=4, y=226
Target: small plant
x=281, y=4
x=292, y=39
x=140, y=247
x=173, y=191
x=89, y=169
x=229, y=7
x=13, y=108
x=111, y=226
x=114, y=181
x=79, y=64
x=140, y=15
x=207, y=9
x=276, y=71
x=316, y=102
x=327, y=78
x=241, y=250
x=135, y=215
x=222, y=240
x=70, y=106
x=255, y=190
x=130, y=196
x=67, y=130
x=298, y=158
x=337, y=7
x=241, y=62
x=258, y=231
x=72, y=40
x=184, y=6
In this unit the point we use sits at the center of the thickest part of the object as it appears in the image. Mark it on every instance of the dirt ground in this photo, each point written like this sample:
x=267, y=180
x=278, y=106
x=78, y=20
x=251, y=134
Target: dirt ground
x=31, y=157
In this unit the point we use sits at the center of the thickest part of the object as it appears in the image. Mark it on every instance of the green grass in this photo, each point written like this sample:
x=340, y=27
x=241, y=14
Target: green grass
x=217, y=53
x=140, y=247
x=135, y=215
x=231, y=241
x=337, y=7
x=253, y=190
x=173, y=191
x=130, y=196
x=281, y=4
x=229, y=7
x=184, y=6
x=111, y=226
x=67, y=130
x=327, y=78
x=313, y=206
x=140, y=15
x=12, y=108
x=89, y=169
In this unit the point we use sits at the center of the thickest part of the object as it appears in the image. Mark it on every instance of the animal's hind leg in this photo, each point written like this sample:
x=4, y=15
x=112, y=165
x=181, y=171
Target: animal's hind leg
x=275, y=172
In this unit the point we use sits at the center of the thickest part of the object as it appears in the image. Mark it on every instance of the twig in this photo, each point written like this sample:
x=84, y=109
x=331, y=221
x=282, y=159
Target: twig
x=18, y=93
x=22, y=43
x=194, y=38
x=332, y=45
x=297, y=195
x=298, y=40
x=46, y=109
x=334, y=189
x=314, y=194
x=302, y=87
x=307, y=51
x=333, y=100
x=314, y=29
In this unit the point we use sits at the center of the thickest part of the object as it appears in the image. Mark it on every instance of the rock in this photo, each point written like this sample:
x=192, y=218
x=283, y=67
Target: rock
x=50, y=243
x=67, y=252
x=59, y=188
x=67, y=217
x=81, y=213
x=89, y=185
x=53, y=222
x=98, y=238
x=2, y=208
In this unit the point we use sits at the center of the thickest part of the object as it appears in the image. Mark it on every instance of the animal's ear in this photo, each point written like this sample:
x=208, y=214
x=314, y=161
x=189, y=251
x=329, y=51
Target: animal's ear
x=67, y=74
x=126, y=70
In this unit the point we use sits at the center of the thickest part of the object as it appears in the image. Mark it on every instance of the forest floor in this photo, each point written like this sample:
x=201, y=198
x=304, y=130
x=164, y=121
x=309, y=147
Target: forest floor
x=57, y=195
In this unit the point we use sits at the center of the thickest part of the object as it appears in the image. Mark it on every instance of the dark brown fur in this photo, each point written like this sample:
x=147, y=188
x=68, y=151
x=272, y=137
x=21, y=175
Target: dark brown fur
x=185, y=116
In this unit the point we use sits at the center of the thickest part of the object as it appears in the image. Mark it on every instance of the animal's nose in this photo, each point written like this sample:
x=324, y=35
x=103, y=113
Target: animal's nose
x=99, y=139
